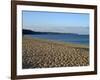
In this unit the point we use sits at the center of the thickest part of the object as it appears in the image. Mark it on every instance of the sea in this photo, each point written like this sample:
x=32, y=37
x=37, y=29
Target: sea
x=69, y=38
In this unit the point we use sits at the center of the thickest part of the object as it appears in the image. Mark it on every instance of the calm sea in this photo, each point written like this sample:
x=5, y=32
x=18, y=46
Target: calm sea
x=77, y=39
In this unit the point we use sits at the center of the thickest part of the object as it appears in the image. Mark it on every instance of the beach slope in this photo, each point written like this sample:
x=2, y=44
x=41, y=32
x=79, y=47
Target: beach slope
x=38, y=53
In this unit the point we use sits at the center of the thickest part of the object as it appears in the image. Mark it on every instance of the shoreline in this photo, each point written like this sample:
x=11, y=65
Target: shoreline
x=61, y=42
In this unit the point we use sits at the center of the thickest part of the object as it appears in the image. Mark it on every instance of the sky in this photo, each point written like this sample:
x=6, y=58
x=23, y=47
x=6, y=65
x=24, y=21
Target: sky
x=62, y=22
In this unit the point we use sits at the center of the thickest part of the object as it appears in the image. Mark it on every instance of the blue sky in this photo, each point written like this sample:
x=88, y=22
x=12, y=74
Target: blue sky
x=56, y=22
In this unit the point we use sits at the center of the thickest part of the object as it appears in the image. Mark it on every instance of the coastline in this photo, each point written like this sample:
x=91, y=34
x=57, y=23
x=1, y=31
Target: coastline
x=40, y=53
x=69, y=44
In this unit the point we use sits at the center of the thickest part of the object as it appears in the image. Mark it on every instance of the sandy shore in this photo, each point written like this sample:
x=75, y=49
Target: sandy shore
x=37, y=53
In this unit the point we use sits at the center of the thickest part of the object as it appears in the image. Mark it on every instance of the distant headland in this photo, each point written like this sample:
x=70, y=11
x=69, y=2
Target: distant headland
x=31, y=32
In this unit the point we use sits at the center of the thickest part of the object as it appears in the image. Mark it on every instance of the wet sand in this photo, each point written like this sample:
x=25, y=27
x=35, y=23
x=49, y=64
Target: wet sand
x=38, y=53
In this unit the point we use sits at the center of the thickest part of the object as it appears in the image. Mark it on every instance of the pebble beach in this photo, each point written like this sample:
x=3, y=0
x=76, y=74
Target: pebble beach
x=37, y=53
